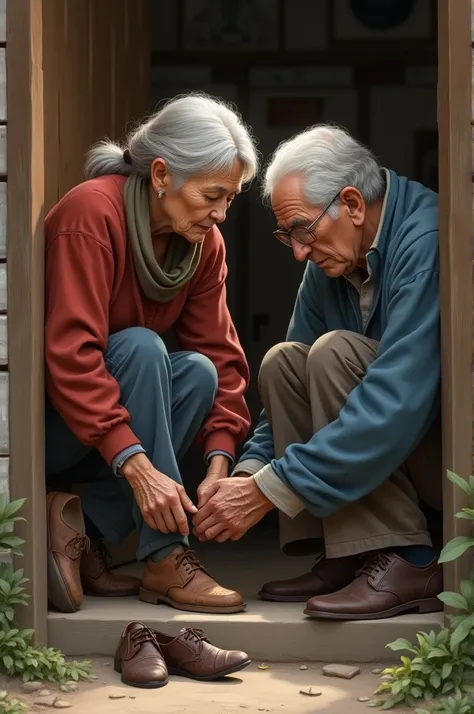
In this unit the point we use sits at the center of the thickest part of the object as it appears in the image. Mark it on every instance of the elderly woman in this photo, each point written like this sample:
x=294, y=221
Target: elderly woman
x=131, y=253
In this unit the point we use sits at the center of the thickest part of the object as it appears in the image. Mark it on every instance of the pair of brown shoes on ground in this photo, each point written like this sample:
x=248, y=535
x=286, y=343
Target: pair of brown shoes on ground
x=146, y=657
x=77, y=566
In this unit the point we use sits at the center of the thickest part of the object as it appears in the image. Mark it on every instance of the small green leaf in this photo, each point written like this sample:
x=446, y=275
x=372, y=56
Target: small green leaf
x=454, y=600
x=455, y=548
x=11, y=541
x=446, y=670
x=401, y=644
x=7, y=661
x=12, y=508
x=462, y=631
x=461, y=482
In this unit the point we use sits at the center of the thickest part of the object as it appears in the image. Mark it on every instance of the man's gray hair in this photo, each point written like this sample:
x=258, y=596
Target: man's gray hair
x=195, y=134
x=329, y=159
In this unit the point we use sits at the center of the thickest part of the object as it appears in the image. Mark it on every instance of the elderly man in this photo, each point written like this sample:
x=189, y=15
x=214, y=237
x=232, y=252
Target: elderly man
x=348, y=445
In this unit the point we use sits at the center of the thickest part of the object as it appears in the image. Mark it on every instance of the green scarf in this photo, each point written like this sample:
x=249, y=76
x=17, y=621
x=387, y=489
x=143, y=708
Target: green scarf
x=182, y=258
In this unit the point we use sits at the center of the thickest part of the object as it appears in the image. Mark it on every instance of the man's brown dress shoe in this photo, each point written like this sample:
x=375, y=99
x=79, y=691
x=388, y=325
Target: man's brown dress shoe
x=99, y=581
x=385, y=586
x=191, y=655
x=327, y=576
x=181, y=581
x=67, y=542
x=139, y=658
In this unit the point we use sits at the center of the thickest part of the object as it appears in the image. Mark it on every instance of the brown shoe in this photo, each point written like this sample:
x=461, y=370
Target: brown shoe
x=99, y=581
x=327, y=576
x=385, y=586
x=181, y=581
x=191, y=655
x=67, y=542
x=139, y=658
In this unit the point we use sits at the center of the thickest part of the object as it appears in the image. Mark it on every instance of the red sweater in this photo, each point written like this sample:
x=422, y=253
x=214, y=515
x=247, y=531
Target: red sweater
x=92, y=291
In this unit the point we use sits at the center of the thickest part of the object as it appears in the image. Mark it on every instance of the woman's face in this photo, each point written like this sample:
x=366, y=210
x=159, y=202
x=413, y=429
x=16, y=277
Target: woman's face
x=196, y=206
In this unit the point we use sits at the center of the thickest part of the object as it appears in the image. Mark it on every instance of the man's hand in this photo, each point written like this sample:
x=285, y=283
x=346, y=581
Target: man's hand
x=234, y=505
x=161, y=500
x=218, y=469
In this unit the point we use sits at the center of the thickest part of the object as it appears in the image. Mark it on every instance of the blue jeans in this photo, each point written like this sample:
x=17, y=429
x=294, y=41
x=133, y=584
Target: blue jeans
x=168, y=397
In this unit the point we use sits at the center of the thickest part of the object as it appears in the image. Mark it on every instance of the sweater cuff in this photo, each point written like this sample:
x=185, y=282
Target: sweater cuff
x=221, y=440
x=119, y=460
x=118, y=438
x=218, y=452
x=248, y=466
x=277, y=492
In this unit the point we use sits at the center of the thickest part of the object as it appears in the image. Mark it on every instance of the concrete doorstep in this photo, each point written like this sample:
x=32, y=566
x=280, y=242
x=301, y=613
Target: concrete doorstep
x=277, y=632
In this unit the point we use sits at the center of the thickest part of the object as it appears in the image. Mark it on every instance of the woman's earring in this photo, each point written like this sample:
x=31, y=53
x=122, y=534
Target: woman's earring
x=161, y=193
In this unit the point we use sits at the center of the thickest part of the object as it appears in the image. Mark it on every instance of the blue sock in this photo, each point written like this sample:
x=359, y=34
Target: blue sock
x=163, y=553
x=419, y=555
x=91, y=530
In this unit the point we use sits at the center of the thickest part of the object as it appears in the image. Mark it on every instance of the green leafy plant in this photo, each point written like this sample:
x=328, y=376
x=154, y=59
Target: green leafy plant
x=11, y=706
x=459, y=704
x=19, y=656
x=442, y=666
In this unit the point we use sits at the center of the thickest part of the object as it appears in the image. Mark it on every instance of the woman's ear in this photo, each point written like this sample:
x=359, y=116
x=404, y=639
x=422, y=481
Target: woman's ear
x=159, y=175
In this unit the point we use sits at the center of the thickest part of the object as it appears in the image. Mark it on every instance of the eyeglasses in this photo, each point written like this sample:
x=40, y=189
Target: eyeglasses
x=303, y=234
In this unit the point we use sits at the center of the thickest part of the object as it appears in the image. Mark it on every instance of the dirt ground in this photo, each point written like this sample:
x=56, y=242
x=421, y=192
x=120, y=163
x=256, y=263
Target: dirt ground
x=276, y=689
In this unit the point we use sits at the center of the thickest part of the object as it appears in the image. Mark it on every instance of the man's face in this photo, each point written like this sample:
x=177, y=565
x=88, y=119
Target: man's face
x=334, y=245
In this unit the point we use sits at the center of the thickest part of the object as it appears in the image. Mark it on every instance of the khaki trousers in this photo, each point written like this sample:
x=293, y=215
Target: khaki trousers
x=303, y=389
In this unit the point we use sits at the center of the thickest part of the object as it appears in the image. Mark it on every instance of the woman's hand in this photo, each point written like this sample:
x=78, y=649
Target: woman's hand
x=218, y=469
x=161, y=500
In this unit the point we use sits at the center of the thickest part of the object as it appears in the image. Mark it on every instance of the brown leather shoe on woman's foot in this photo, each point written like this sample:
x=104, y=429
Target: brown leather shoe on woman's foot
x=139, y=658
x=67, y=542
x=97, y=579
x=191, y=655
x=181, y=581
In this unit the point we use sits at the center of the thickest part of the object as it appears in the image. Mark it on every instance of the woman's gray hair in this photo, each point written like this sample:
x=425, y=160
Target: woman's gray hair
x=329, y=159
x=195, y=134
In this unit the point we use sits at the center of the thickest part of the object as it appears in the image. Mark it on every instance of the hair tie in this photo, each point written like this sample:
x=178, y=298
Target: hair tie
x=126, y=157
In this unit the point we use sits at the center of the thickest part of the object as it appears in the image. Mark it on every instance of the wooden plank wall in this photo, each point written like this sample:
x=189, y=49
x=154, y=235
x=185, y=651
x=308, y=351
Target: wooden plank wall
x=4, y=430
x=96, y=81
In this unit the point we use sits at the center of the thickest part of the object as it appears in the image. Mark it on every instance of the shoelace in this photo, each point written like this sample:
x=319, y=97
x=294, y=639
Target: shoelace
x=189, y=559
x=102, y=555
x=143, y=635
x=78, y=546
x=376, y=563
x=195, y=635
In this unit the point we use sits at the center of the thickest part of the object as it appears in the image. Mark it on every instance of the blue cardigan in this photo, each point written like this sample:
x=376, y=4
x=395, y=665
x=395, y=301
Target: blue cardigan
x=391, y=410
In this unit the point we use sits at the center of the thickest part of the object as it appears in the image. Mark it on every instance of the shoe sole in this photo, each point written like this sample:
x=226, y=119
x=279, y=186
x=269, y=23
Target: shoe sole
x=129, y=593
x=418, y=606
x=142, y=685
x=154, y=599
x=210, y=677
x=283, y=598
x=58, y=594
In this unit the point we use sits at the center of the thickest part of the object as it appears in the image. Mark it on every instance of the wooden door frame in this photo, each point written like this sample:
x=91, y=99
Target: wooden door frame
x=25, y=293
x=25, y=265
x=456, y=258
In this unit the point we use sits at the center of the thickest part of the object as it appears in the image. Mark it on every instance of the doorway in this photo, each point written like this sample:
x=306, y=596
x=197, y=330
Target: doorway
x=380, y=81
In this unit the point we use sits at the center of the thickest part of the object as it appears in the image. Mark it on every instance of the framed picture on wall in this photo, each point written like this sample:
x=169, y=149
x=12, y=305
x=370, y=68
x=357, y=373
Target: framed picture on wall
x=234, y=26
x=382, y=20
